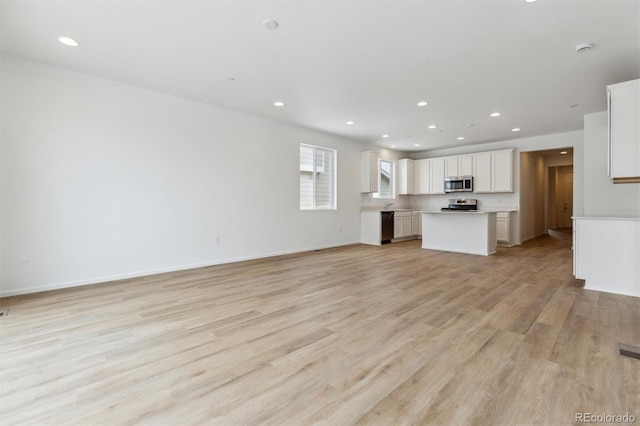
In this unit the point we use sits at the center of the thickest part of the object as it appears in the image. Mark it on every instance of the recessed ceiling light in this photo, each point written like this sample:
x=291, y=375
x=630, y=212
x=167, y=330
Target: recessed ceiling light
x=416, y=144
x=231, y=80
x=393, y=146
x=68, y=41
x=433, y=126
x=423, y=103
x=515, y=129
x=460, y=138
x=495, y=114
x=270, y=24
x=563, y=152
x=530, y=1
x=385, y=136
x=278, y=104
x=351, y=122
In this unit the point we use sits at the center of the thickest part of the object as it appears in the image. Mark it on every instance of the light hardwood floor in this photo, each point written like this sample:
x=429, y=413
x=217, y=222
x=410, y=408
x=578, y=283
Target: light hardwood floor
x=386, y=335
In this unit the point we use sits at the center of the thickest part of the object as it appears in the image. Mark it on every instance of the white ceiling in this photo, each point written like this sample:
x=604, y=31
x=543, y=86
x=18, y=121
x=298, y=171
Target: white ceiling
x=368, y=61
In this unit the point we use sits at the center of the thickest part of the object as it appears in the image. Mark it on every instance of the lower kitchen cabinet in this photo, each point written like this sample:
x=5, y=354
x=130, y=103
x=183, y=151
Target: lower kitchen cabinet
x=416, y=223
x=502, y=227
x=406, y=225
x=403, y=225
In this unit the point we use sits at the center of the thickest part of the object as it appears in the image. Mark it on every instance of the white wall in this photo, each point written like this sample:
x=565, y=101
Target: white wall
x=601, y=197
x=103, y=180
x=607, y=234
x=531, y=212
x=505, y=200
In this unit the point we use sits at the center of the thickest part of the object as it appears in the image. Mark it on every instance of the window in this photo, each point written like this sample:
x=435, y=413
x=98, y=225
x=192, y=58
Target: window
x=317, y=178
x=386, y=180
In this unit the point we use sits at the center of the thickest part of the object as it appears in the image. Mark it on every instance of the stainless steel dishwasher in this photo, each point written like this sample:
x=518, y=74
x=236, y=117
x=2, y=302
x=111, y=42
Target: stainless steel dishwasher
x=387, y=227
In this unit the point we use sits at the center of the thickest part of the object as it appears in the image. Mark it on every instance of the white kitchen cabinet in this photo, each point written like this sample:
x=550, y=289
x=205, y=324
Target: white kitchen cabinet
x=459, y=165
x=416, y=223
x=482, y=172
x=437, y=175
x=624, y=131
x=493, y=171
x=451, y=166
x=465, y=165
x=408, y=225
x=398, y=226
x=502, y=227
x=368, y=172
x=405, y=175
x=501, y=171
x=421, y=177
x=429, y=176
x=403, y=225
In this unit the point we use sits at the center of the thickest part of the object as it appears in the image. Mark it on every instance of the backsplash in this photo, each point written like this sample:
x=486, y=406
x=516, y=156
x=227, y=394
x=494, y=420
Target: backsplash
x=401, y=201
x=506, y=201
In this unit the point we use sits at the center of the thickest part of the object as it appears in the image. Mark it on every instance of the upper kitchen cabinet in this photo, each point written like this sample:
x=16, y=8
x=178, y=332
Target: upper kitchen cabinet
x=502, y=171
x=429, y=176
x=465, y=165
x=421, y=177
x=459, y=165
x=368, y=172
x=624, y=131
x=493, y=171
x=482, y=172
x=451, y=166
x=437, y=175
x=405, y=174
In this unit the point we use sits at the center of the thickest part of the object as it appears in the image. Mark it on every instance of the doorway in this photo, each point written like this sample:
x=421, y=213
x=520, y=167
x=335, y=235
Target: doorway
x=546, y=193
x=560, y=197
x=567, y=197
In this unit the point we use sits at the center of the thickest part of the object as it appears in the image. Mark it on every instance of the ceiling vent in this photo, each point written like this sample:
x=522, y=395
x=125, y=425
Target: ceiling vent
x=583, y=47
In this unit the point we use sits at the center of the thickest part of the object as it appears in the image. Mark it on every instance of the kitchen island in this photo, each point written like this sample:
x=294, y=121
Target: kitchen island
x=472, y=232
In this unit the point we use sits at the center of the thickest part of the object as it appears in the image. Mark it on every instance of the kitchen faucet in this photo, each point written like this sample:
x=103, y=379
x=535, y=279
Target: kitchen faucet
x=386, y=206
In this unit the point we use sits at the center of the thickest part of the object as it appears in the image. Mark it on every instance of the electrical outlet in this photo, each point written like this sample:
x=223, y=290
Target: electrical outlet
x=216, y=239
x=340, y=229
x=24, y=257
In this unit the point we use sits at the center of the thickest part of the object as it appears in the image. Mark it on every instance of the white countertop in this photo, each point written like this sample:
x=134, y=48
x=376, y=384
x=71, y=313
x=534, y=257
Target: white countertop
x=377, y=209
x=405, y=209
x=456, y=212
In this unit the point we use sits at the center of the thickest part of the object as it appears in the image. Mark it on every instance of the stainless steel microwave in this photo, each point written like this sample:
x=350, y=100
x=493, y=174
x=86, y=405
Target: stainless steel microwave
x=458, y=184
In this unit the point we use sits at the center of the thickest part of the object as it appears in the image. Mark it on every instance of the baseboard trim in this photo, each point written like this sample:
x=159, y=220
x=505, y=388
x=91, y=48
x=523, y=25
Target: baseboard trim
x=118, y=277
x=478, y=253
x=608, y=290
x=532, y=237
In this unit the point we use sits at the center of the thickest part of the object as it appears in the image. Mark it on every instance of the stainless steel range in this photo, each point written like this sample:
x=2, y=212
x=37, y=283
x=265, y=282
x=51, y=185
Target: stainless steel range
x=461, y=205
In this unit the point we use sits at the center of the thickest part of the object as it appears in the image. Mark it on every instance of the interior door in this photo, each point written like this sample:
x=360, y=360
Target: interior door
x=567, y=195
